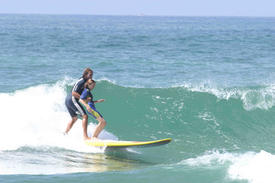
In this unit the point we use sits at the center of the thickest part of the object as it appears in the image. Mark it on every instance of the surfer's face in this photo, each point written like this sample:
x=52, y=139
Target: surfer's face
x=89, y=75
x=91, y=84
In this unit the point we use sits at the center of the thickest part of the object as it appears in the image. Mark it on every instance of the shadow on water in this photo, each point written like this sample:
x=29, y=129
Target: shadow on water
x=127, y=154
x=118, y=160
x=51, y=160
x=56, y=160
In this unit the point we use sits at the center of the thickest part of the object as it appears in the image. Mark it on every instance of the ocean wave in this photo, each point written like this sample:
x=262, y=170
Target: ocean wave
x=255, y=167
x=252, y=98
x=37, y=116
x=260, y=97
x=39, y=111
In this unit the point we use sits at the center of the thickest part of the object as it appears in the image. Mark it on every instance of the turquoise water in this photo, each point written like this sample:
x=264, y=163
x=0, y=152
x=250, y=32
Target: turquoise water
x=207, y=82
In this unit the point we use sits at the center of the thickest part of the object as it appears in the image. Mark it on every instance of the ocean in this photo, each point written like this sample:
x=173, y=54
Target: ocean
x=206, y=82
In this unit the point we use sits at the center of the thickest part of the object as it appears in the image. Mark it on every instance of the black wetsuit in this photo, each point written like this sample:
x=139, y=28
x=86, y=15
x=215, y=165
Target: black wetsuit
x=72, y=103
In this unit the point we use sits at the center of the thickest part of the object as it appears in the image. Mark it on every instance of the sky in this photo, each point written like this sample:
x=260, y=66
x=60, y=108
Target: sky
x=253, y=8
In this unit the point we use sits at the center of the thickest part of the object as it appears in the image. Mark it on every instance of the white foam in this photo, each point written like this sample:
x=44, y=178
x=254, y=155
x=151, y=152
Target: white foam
x=254, y=167
x=252, y=98
x=251, y=166
x=37, y=116
x=209, y=159
x=106, y=79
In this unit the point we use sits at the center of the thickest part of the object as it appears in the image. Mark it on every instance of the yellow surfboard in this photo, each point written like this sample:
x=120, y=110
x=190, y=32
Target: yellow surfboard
x=124, y=144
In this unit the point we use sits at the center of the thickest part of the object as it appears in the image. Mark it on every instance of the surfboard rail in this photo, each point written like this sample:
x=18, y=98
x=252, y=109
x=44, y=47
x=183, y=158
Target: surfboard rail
x=125, y=144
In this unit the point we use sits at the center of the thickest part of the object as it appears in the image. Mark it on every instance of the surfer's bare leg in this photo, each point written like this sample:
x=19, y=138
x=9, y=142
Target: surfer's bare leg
x=102, y=123
x=70, y=124
x=85, y=126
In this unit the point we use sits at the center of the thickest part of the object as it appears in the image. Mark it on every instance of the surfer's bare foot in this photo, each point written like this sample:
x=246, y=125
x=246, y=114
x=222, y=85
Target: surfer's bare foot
x=87, y=138
x=94, y=138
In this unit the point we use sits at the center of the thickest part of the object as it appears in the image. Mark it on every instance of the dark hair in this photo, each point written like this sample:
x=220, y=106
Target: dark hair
x=86, y=83
x=86, y=71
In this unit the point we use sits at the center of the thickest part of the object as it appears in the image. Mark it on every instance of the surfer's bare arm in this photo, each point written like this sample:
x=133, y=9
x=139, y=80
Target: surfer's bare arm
x=76, y=95
x=86, y=105
x=98, y=101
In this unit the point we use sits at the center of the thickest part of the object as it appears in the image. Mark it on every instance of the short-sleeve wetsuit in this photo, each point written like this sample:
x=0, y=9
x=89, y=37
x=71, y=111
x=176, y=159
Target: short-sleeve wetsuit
x=84, y=96
x=72, y=103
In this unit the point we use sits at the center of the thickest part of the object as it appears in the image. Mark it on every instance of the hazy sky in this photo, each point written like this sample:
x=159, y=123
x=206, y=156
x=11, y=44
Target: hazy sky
x=142, y=7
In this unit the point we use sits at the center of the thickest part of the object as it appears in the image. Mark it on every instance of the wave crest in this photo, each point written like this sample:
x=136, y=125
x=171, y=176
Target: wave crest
x=252, y=98
x=256, y=167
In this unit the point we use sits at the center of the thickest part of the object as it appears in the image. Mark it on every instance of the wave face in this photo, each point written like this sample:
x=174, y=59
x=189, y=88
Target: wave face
x=230, y=114
x=228, y=126
x=210, y=118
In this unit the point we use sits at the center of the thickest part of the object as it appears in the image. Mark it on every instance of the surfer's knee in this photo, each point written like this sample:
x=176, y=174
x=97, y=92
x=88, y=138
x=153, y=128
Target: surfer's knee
x=85, y=117
x=102, y=121
x=74, y=119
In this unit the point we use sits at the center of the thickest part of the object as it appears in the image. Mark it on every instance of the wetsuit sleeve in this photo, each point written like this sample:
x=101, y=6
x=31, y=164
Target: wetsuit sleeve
x=84, y=94
x=77, y=87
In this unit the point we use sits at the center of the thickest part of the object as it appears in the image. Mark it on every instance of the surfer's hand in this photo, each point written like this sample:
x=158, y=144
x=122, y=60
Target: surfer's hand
x=100, y=100
x=90, y=110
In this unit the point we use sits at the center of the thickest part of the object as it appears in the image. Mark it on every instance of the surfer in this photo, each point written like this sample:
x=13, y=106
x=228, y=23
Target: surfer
x=73, y=105
x=86, y=99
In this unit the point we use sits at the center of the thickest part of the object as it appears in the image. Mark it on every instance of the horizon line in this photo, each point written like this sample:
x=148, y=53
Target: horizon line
x=140, y=15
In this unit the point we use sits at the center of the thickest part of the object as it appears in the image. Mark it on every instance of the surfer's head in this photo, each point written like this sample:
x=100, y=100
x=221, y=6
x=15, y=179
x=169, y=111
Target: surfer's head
x=88, y=73
x=90, y=84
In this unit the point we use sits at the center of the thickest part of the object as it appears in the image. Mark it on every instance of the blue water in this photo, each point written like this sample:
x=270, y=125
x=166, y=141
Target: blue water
x=207, y=82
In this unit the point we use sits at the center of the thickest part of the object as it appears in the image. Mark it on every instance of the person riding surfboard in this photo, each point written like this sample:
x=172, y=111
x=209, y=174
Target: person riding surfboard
x=86, y=99
x=73, y=105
